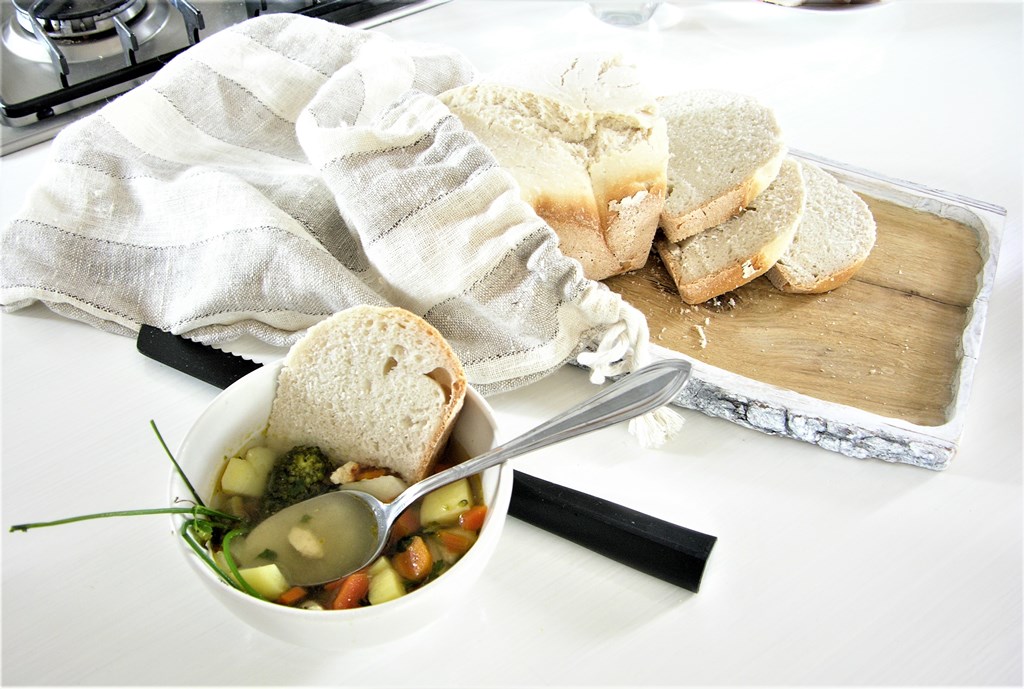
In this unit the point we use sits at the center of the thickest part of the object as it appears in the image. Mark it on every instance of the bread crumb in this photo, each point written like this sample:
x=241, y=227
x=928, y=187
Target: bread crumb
x=346, y=473
x=748, y=269
x=627, y=202
x=703, y=336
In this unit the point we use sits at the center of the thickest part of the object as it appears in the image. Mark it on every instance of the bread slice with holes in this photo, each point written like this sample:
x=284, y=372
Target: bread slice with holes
x=374, y=385
x=732, y=254
x=833, y=240
x=724, y=150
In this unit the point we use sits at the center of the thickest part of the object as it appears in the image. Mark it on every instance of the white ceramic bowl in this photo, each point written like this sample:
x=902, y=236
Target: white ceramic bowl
x=237, y=415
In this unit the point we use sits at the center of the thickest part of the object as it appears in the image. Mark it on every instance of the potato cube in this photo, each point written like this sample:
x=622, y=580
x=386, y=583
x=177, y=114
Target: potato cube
x=379, y=565
x=247, y=475
x=267, y=580
x=385, y=582
x=241, y=477
x=261, y=458
x=444, y=505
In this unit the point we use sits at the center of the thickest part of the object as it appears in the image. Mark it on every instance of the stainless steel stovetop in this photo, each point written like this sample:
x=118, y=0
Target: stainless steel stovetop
x=63, y=59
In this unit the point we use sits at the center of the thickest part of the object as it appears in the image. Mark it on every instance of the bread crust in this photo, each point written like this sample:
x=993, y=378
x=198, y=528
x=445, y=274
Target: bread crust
x=832, y=242
x=725, y=149
x=611, y=242
x=578, y=227
x=728, y=278
x=597, y=178
x=781, y=279
x=734, y=253
x=632, y=230
x=717, y=210
x=709, y=214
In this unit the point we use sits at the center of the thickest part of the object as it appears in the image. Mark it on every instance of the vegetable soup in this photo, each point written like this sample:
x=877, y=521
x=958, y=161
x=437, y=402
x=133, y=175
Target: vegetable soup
x=425, y=541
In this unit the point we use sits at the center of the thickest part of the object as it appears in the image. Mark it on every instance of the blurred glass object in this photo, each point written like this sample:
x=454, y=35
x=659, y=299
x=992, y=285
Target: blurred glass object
x=622, y=12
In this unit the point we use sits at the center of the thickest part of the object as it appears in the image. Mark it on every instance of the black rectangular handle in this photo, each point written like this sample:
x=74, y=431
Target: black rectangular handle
x=668, y=551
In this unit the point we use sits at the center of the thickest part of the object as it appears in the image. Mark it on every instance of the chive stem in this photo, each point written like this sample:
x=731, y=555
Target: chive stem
x=195, y=495
x=197, y=510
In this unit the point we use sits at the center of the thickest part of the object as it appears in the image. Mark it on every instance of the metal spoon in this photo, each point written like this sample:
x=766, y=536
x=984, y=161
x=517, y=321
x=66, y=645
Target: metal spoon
x=346, y=530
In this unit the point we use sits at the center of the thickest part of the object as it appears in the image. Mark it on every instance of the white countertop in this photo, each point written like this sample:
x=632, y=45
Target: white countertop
x=828, y=570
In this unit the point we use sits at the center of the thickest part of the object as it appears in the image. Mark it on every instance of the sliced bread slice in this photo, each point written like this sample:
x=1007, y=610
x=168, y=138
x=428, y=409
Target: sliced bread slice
x=732, y=254
x=834, y=238
x=597, y=177
x=724, y=150
x=378, y=386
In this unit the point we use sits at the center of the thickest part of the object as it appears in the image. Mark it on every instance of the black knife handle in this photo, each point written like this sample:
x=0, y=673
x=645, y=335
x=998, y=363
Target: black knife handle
x=208, y=364
x=667, y=551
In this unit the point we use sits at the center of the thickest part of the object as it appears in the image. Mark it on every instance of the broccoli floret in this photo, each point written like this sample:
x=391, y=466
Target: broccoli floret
x=302, y=473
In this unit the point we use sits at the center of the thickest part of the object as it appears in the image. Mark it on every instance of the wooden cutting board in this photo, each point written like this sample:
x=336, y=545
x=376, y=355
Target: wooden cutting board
x=885, y=359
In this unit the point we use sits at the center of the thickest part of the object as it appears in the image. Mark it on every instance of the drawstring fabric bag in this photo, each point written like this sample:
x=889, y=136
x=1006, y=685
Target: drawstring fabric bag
x=287, y=168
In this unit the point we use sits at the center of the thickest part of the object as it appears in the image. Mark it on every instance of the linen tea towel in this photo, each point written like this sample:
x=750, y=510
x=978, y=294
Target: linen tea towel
x=288, y=168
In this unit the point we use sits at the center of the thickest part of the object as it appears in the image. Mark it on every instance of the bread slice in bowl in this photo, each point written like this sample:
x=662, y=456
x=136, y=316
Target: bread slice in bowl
x=724, y=150
x=735, y=252
x=373, y=385
x=833, y=240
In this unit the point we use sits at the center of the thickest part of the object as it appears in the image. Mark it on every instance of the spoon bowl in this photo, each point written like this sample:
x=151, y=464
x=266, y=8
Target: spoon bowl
x=335, y=534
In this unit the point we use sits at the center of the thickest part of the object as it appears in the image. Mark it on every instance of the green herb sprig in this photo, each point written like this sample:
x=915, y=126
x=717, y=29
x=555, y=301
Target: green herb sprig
x=205, y=524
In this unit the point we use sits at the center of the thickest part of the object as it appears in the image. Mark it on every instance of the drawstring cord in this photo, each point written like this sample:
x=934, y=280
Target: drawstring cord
x=609, y=359
x=624, y=348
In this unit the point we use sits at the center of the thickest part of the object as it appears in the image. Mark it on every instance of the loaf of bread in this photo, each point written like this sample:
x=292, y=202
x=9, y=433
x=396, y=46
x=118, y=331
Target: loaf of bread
x=735, y=252
x=592, y=168
x=832, y=241
x=377, y=386
x=724, y=150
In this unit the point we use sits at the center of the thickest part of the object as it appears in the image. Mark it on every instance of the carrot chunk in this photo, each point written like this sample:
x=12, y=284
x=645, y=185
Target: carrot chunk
x=407, y=523
x=334, y=585
x=292, y=596
x=458, y=543
x=473, y=518
x=364, y=473
x=351, y=591
x=415, y=561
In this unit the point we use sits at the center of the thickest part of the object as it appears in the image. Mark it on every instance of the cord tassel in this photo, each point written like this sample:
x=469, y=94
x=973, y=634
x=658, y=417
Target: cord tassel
x=655, y=428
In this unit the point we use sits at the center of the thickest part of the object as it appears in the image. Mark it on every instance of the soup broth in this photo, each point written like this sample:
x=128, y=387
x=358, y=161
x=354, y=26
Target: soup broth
x=426, y=540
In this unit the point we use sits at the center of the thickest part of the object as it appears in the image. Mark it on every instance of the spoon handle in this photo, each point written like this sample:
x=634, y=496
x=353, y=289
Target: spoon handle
x=639, y=392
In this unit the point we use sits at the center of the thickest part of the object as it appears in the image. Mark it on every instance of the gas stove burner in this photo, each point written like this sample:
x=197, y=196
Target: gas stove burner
x=62, y=38
x=62, y=19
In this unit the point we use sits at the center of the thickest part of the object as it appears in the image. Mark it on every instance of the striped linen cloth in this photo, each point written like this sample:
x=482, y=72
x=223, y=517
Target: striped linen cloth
x=285, y=169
